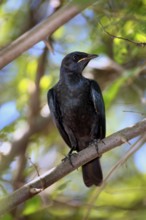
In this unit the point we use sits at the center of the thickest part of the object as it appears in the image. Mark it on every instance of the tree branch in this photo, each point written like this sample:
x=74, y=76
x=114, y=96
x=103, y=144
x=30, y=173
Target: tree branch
x=141, y=44
x=134, y=147
x=46, y=180
x=42, y=30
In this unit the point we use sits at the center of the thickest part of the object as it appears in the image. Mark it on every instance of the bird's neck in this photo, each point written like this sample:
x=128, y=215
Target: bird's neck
x=70, y=77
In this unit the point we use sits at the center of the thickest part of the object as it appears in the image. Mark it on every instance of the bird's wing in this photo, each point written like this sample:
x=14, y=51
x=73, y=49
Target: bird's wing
x=99, y=107
x=55, y=111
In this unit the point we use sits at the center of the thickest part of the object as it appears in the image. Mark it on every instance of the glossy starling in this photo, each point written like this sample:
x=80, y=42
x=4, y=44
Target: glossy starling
x=77, y=106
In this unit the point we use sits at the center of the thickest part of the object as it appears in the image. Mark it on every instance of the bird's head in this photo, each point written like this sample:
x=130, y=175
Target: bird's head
x=76, y=61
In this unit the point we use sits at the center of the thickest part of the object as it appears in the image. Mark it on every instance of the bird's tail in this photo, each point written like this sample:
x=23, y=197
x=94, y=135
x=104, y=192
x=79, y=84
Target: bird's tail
x=92, y=173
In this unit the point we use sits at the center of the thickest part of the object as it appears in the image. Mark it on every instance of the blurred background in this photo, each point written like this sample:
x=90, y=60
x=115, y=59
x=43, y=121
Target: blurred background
x=29, y=141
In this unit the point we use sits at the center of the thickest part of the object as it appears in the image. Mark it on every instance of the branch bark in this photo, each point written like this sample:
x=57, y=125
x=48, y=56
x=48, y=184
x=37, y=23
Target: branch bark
x=42, y=30
x=46, y=180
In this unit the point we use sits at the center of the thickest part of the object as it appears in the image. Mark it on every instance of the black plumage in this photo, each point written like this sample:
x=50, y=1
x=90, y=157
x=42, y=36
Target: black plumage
x=77, y=106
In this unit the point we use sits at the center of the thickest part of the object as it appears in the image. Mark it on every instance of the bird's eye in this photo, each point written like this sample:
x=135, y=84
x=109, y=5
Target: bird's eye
x=75, y=58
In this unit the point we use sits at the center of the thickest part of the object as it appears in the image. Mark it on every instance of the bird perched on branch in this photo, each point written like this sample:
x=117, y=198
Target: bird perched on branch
x=77, y=106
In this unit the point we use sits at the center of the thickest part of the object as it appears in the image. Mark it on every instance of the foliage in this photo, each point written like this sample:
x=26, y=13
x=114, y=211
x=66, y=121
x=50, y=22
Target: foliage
x=30, y=143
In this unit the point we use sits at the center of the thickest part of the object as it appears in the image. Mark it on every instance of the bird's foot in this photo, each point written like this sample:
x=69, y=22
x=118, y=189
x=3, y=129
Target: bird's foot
x=95, y=143
x=101, y=140
x=69, y=157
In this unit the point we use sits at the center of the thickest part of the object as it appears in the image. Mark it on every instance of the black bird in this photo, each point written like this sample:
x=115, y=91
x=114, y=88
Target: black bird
x=77, y=106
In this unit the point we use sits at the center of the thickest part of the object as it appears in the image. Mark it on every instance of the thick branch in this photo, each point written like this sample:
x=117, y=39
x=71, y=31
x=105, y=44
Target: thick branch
x=42, y=30
x=39, y=184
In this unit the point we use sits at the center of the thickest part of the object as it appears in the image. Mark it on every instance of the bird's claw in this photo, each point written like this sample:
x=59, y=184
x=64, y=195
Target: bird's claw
x=95, y=143
x=68, y=157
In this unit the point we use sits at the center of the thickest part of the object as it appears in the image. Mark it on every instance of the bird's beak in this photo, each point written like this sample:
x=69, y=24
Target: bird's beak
x=89, y=57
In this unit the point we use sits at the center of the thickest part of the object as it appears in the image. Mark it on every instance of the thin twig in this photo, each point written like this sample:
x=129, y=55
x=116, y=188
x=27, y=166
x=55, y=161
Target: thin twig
x=141, y=44
x=49, y=45
x=131, y=111
x=37, y=171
